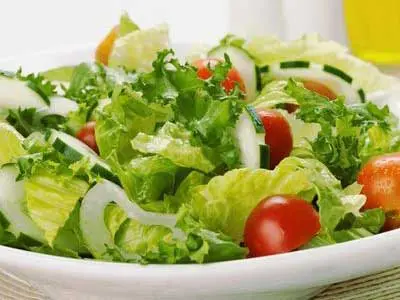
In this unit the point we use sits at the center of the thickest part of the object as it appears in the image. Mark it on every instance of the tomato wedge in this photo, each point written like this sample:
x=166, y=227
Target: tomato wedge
x=278, y=135
x=87, y=135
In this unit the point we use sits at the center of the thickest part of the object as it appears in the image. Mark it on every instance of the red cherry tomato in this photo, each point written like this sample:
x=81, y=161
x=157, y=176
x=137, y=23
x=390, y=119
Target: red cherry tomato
x=380, y=178
x=87, y=135
x=278, y=135
x=316, y=87
x=280, y=224
x=233, y=77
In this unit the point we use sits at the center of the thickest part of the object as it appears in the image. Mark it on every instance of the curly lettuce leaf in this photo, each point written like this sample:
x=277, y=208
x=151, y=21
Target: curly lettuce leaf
x=349, y=135
x=202, y=107
x=121, y=120
x=26, y=121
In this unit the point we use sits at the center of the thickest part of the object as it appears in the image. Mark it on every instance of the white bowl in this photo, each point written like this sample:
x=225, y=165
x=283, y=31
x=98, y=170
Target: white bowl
x=296, y=275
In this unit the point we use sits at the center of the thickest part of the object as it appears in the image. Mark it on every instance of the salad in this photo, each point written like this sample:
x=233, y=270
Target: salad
x=247, y=149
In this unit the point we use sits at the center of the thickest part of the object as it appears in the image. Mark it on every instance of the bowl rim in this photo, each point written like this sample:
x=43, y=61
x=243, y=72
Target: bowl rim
x=325, y=263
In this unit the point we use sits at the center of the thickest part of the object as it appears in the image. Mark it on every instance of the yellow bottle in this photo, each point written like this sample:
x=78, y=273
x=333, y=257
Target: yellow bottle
x=373, y=28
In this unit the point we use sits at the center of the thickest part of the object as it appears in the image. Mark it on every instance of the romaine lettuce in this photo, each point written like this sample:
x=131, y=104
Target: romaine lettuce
x=51, y=198
x=122, y=120
x=11, y=142
x=226, y=201
x=173, y=142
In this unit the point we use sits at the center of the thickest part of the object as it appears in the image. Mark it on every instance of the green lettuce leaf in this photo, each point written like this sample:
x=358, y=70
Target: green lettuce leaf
x=367, y=224
x=50, y=200
x=12, y=144
x=69, y=237
x=156, y=244
x=36, y=82
x=173, y=142
x=122, y=120
x=126, y=25
x=114, y=217
x=202, y=107
x=349, y=135
x=273, y=95
x=143, y=240
x=63, y=74
x=29, y=120
x=313, y=48
x=184, y=191
x=146, y=179
x=226, y=201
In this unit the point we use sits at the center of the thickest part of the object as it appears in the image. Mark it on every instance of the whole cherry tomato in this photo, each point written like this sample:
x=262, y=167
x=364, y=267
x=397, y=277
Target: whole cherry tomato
x=280, y=224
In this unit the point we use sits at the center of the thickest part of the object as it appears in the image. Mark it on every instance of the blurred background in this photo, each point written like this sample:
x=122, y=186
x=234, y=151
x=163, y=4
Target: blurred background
x=29, y=26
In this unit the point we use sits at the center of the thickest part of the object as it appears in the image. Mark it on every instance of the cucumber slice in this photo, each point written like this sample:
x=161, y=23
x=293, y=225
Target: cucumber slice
x=245, y=65
x=250, y=135
x=338, y=81
x=265, y=157
x=92, y=224
x=12, y=199
x=16, y=94
x=59, y=106
x=75, y=150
